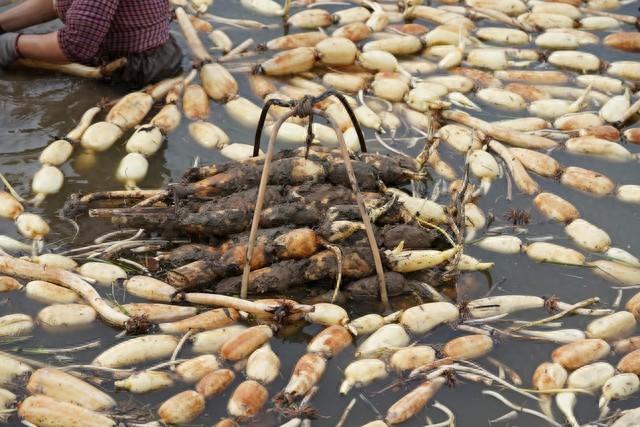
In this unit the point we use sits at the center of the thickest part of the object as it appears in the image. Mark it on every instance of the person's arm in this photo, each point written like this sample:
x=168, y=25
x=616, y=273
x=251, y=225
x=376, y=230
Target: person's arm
x=31, y=12
x=44, y=47
x=87, y=23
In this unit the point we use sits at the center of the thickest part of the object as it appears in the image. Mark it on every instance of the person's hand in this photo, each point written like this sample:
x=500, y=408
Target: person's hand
x=8, y=52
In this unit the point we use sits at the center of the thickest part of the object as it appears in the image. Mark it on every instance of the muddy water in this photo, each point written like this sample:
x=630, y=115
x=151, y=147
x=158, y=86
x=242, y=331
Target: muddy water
x=36, y=107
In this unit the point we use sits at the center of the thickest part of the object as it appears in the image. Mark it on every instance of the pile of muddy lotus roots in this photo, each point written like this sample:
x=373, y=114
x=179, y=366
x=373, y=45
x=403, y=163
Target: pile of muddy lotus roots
x=311, y=230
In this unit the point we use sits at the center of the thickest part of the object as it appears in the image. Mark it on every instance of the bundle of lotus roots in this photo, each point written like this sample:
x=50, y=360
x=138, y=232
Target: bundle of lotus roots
x=311, y=231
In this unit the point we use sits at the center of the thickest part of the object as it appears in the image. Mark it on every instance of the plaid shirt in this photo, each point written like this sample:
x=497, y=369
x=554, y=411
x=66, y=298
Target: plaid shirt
x=97, y=30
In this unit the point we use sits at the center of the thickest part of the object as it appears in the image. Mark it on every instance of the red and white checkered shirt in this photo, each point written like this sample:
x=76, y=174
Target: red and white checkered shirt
x=107, y=29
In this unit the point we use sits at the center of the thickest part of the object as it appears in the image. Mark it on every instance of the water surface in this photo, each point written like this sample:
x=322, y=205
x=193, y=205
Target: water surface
x=38, y=106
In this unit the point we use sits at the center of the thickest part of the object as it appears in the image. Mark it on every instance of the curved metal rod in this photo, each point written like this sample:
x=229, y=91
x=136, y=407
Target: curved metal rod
x=377, y=260
x=255, y=222
x=263, y=117
x=352, y=116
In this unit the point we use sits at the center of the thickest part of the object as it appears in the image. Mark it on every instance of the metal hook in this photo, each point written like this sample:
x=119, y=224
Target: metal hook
x=304, y=107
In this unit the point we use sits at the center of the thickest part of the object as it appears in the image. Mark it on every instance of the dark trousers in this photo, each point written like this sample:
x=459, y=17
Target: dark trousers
x=150, y=66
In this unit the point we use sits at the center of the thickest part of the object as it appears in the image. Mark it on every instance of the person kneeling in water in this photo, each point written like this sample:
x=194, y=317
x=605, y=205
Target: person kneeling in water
x=96, y=32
